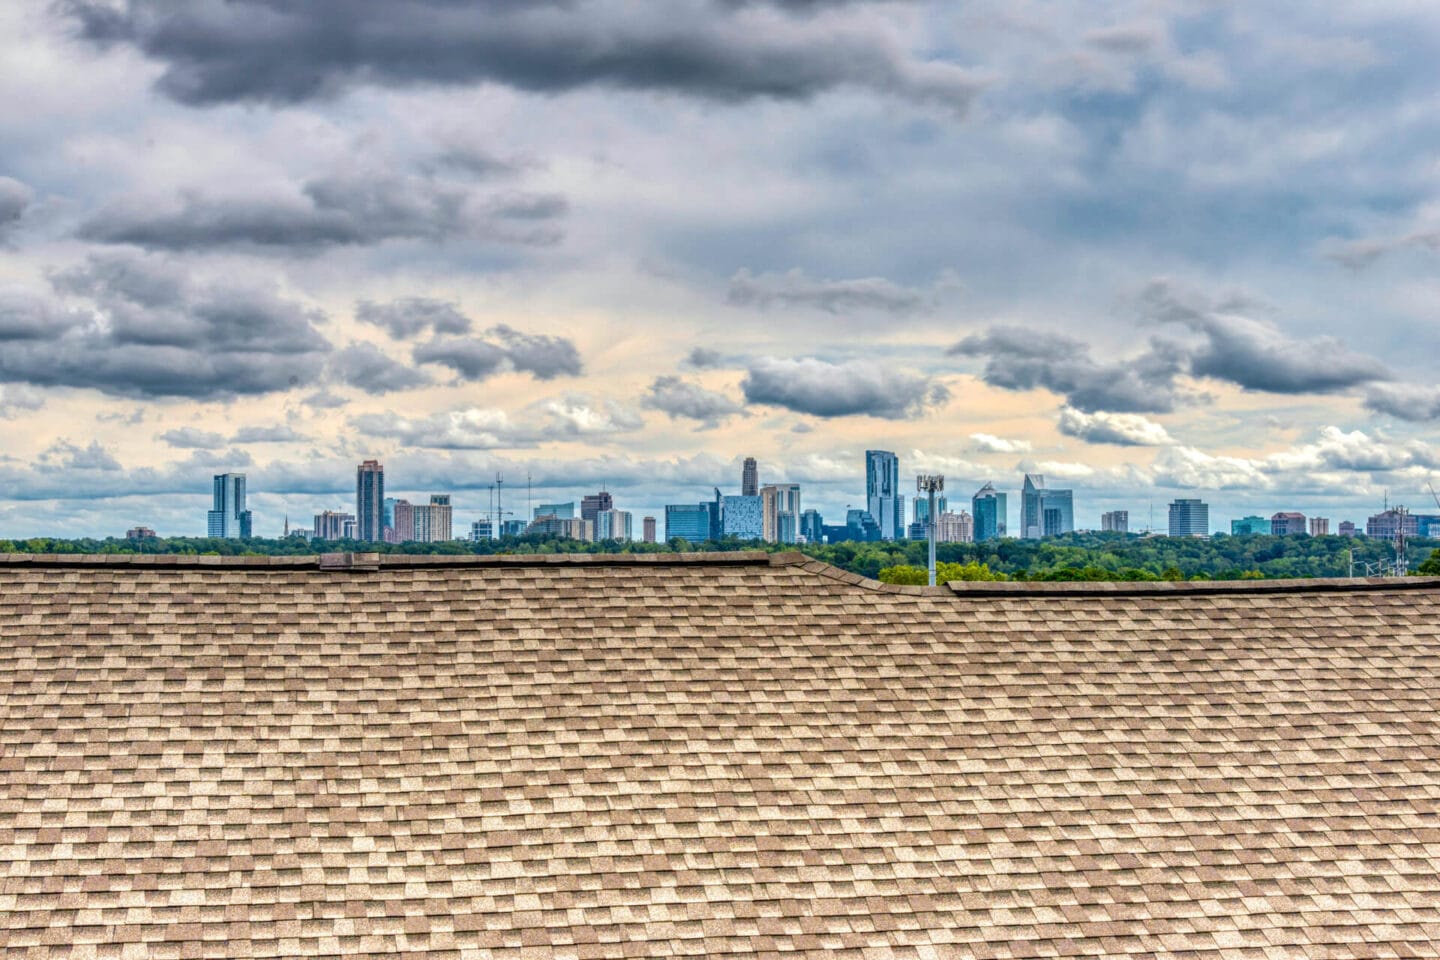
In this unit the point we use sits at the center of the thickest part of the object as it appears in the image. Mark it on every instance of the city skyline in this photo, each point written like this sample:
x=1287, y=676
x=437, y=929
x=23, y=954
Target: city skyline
x=1146, y=251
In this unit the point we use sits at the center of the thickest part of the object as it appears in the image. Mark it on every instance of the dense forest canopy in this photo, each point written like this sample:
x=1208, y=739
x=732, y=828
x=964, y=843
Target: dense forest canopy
x=1088, y=556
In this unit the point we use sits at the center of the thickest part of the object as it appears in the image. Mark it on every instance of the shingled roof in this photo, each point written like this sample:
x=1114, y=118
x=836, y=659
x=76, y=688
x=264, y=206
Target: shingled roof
x=724, y=755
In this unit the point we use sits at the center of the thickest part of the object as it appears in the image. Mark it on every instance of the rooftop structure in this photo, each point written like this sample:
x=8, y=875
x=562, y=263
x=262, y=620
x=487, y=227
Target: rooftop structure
x=576, y=756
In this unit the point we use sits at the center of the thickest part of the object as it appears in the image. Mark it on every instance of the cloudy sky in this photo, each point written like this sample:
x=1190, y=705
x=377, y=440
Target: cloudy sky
x=1150, y=248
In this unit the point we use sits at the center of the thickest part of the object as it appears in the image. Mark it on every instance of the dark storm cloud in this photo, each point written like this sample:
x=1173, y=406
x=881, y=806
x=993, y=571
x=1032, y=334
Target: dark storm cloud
x=1254, y=353
x=192, y=438
x=1018, y=358
x=409, y=316
x=681, y=398
x=331, y=212
x=853, y=388
x=365, y=366
x=472, y=359
x=141, y=327
x=218, y=51
x=15, y=197
x=1417, y=403
x=794, y=289
x=543, y=356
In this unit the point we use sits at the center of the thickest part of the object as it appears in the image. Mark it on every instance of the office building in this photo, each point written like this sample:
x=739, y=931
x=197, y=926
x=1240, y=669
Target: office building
x=613, y=525
x=1044, y=511
x=812, y=526
x=916, y=531
x=922, y=508
x=512, y=528
x=348, y=529
x=1319, y=526
x=883, y=499
x=780, y=512
x=139, y=533
x=750, y=478
x=688, y=521
x=1115, y=521
x=742, y=517
x=647, y=526
x=1346, y=528
x=955, y=528
x=591, y=507
x=388, y=518
x=228, y=516
x=561, y=511
x=1189, y=518
x=482, y=530
x=330, y=525
x=565, y=528
x=370, y=501
x=860, y=526
x=1428, y=524
x=990, y=510
x=1287, y=524
x=1246, y=526
x=1385, y=525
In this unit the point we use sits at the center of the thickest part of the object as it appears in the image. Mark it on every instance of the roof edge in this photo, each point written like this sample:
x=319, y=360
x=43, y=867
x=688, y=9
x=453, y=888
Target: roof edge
x=1150, y=588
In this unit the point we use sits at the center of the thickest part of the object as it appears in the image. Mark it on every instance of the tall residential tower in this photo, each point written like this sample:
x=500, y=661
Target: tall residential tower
x=885, y=502
x=370, y=501
x=228, y=516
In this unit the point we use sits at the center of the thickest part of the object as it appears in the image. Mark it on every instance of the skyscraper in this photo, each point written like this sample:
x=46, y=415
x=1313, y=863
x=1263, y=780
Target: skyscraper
x=990, y=509
x=591, y=506
x=780, y=503
x=812, y=526
x=750, y=478
x=885, y=502
x=370, y=501
x=647, y=525
x=228, y=516
x=1189, y=518
x=1045, y=512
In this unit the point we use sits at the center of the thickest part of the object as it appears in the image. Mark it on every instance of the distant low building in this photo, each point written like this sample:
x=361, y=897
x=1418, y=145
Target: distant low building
x=330, y=525
x=1287, y=524
x=1384, y=525
x=1115, y=521
x=566, y=528
x=1250, y=525
x=482, y=530
x=1346, y=528
x=139, y=533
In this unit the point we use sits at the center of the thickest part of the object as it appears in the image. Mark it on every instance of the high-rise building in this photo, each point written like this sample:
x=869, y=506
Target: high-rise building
x=750, y=478
x=566, y=528
x=331, y=524
x=561, y=511
x=1384, y=525
x=389, y=513
x=370, y=501
x=647, y=527
x=592, y=505
x=860, y=526
x=613, y=525
x=689, y=521
x=512, y=528
x=883, y=499
x=1319, y=526
x=1287, y=524
x=482, y=530
x=780, y=501
x=1346, y=528
x=1115, y=521
x=955, y=528
x=990, y=511
x=433, y=520
x=402, y=527
x=228, y=516
x=742, y=517
x=1045, y=512
x=922, y=508
x=812, y=526
x=1189, y=518
x=1249, y=525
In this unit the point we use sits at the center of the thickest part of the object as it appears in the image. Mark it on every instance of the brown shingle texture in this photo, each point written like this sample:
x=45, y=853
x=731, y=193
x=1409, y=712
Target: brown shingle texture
x=603, y=758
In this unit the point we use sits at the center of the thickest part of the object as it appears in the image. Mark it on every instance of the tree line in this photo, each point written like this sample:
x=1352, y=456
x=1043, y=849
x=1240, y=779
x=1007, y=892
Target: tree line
x=1079, y=556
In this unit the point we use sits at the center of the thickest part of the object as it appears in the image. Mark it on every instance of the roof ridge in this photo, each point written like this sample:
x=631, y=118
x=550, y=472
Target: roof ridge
x=373, y=561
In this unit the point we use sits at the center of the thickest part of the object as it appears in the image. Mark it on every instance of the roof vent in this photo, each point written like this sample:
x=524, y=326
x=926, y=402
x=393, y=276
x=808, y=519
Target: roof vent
x=349, y=561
